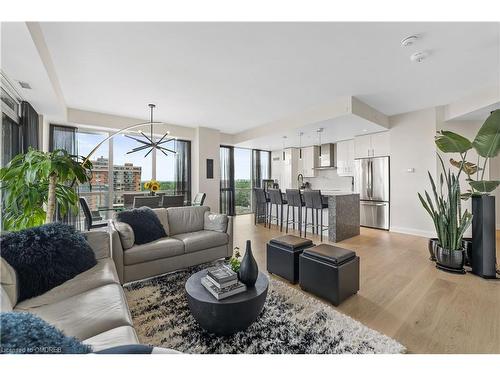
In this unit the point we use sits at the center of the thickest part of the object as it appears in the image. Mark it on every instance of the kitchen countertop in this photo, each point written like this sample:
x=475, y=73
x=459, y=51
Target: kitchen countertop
x=335, y=192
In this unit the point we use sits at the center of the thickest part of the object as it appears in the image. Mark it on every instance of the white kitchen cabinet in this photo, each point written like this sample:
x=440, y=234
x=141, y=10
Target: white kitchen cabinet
x=362, y=146
x=284, y=170
x=380, y=144
x=345, y=158
x=310, y=160
x=372, y=145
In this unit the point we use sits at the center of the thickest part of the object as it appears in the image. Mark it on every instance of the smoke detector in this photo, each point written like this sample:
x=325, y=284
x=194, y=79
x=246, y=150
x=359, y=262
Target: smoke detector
x=419, y=56
x=24, y=85
x=408, y=41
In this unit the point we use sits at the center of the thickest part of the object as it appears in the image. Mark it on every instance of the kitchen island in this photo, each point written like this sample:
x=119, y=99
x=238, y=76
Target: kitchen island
x=343, y=215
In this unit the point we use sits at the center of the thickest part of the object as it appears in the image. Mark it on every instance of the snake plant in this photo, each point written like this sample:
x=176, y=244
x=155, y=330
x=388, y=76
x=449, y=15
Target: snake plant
x=445, y=209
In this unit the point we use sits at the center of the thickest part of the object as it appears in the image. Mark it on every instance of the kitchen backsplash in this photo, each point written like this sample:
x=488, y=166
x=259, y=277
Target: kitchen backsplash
x=328, y=179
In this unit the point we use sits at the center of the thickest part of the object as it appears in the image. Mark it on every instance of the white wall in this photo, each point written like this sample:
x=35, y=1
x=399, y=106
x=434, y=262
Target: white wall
x=43, y=133
x=412, y=146
x=206, y=145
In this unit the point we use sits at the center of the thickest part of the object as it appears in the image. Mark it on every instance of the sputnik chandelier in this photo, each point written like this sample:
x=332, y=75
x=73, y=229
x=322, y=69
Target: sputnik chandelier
x=150, y=143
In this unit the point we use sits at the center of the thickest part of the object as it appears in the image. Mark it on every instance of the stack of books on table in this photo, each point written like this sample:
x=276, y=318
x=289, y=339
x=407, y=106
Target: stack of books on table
x=222, y=282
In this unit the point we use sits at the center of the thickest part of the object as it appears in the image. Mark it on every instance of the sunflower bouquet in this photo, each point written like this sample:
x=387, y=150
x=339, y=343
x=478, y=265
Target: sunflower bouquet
x=153, y=186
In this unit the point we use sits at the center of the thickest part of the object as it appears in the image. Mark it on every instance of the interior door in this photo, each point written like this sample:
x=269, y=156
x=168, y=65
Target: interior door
x=379, y=179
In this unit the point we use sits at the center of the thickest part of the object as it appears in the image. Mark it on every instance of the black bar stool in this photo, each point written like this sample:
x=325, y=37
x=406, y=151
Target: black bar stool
x=294, y=199
x=314, y=200
x=276, y=198
x=261, y=203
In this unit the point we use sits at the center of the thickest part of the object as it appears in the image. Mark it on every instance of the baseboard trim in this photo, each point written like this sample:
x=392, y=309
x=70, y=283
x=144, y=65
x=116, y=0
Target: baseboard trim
x=413, y=232
x=420, y=233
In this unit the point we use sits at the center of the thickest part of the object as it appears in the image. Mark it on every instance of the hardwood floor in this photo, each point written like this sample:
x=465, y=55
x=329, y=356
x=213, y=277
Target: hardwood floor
x=404, y=296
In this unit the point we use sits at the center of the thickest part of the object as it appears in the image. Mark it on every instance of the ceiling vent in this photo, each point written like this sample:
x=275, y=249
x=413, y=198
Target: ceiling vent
x=24, y=85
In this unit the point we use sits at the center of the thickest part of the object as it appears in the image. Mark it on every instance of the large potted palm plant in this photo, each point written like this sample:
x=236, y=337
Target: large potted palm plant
x=487, y=146
x=449, y=221
x=33, y=183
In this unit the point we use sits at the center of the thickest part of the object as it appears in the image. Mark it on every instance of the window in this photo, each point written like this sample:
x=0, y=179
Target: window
x=130, y=171
x=242, y=180
x=98, y=193
x=241, y=170
x=117, y=172
x=166, y=170
x=11, y=140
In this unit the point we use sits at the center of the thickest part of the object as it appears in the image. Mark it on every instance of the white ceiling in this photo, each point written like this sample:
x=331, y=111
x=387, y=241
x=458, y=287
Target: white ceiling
x=21, y=62
x=235, y=76
x=334, y=130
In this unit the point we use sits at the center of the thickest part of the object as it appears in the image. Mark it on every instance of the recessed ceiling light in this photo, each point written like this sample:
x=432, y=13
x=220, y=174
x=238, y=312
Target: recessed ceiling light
x=419, y=56
x=408, y=41
x=365, y=130
x=24, y=85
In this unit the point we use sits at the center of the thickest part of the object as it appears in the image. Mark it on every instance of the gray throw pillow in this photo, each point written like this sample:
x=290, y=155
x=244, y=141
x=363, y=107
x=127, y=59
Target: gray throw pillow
x=126, y=234
x=215, y=222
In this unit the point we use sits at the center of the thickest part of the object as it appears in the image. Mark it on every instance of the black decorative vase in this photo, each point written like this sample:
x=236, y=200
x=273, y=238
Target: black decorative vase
x=483, y=236
x=450, y=260
x=433, y=243
x=249, y=271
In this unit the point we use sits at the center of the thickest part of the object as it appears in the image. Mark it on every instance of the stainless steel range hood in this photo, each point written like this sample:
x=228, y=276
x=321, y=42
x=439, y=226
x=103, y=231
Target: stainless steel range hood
x=328, y=156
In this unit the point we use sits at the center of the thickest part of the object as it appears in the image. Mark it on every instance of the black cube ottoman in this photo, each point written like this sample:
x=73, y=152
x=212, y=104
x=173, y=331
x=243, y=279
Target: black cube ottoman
x=329, y=272
x=283, y=256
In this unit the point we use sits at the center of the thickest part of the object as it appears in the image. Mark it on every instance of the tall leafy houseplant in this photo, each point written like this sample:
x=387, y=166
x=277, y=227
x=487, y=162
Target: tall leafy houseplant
x=486, y=144
x=32, y=183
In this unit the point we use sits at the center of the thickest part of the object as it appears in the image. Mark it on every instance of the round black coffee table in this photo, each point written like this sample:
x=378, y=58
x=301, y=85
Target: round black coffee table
x=229, y=315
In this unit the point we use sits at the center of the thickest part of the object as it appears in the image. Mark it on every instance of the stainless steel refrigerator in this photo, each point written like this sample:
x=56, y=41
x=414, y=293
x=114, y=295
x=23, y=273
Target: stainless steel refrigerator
x=371, y=181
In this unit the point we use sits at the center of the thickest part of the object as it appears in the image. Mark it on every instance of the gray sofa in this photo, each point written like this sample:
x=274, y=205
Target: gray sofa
x=192, y=238
x=91, y=306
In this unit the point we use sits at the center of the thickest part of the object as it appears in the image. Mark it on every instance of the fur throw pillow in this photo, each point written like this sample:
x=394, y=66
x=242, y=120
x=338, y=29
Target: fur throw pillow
x=46, y=256
x=25, y=333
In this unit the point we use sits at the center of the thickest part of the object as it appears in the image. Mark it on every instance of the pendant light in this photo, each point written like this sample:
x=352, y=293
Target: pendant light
x=319, y=131
x=300, y=145
x=150, y=143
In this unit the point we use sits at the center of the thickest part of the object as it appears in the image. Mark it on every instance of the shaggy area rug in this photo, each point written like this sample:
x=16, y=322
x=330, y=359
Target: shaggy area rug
x=291, y=322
